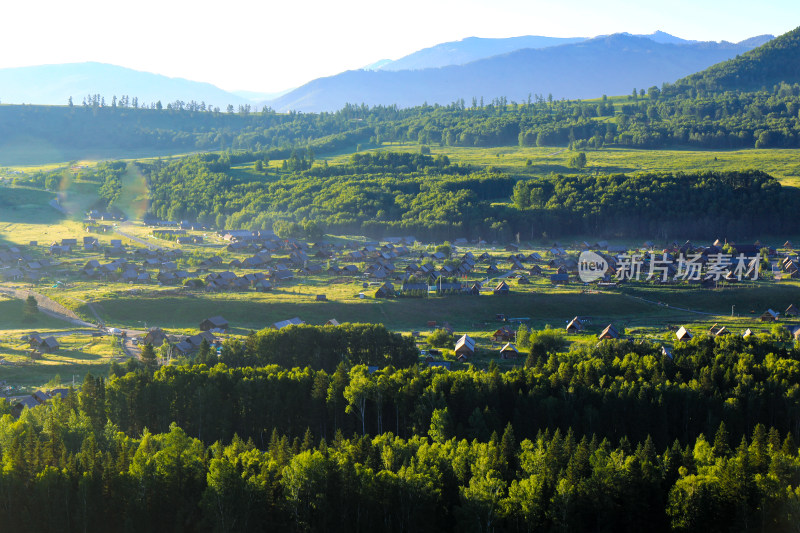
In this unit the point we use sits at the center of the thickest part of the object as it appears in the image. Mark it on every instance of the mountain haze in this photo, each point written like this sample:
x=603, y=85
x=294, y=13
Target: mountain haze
x=54, y=84
x=611, y=65
x=471, y=49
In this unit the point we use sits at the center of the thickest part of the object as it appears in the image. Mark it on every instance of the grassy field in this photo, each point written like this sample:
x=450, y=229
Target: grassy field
x=79, y=352
x=635, y=306
x=29, y=157
x=782, y=164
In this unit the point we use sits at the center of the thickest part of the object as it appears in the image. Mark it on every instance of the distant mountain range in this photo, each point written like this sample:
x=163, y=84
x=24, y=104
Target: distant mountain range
x=470, y=49
x=475, y=48
x=589, y=68
x=54, y=84
x=574, y=67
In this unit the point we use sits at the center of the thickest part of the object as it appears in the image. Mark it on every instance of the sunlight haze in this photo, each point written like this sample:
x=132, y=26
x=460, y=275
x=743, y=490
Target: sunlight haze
x=267, y=47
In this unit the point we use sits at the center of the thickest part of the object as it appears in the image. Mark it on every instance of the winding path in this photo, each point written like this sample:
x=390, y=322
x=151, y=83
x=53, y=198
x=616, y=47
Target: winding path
x=49, y=307
x=669, y=306
x=118, y=229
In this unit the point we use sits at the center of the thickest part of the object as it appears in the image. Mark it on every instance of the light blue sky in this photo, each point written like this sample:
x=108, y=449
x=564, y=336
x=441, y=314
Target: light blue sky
x=270, y=46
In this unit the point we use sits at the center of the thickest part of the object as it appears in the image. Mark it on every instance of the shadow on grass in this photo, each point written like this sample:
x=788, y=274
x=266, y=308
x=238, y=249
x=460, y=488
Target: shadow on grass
x=408, y=313
x=60, y=357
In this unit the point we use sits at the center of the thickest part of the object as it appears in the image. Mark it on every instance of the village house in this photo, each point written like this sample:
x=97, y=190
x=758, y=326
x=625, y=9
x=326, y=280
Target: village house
x=502, y=289
x=610, y=332
x=575, y=326
x=465, y=348
x=155, y=337
x=504, y=334
x=683, y=334
x=285, y=323
x=769, y=316
x=385, y=291
x=509, y=351
x=47, y=345
x=214, y=323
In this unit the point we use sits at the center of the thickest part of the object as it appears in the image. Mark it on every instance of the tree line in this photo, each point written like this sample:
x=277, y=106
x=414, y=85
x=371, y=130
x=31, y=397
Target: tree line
x=699, y=111
x=613, y=437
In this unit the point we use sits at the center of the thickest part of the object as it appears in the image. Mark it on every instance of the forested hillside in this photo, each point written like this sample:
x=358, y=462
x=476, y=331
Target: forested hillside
x=655, y=119
x=764, y=67
x=617, y=437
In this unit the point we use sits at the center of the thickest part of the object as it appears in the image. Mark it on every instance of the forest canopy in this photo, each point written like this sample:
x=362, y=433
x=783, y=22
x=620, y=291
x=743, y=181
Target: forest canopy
x=400, y=193
x=614, y=437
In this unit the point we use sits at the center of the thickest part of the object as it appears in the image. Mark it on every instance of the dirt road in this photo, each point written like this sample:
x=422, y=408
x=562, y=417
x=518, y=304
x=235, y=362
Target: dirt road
x=48, y=306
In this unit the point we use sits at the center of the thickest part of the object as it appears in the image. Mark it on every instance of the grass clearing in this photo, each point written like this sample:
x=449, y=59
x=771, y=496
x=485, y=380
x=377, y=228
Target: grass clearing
x=78, y=354
x=784, y=165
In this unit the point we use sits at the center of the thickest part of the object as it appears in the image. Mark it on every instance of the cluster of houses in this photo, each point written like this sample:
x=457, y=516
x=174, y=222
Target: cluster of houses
x=466, y=346
x=210, y=331
x=180, y=344
x=18, y=264
x=37, y=398
x=160, y=265
x=578, y=325
x=41, y=344
x=400, y=272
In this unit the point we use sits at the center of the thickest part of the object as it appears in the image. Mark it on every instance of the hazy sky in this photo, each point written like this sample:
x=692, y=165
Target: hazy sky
x=270, y=46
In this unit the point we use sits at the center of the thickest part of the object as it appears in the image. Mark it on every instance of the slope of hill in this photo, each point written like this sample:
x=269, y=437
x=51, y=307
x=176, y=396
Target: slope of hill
x=770, y=64
x=54, y=84
x=471, y=49
x=605, y=65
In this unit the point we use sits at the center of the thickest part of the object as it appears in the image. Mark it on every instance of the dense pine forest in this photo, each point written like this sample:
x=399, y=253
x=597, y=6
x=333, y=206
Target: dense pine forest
x=616, y=437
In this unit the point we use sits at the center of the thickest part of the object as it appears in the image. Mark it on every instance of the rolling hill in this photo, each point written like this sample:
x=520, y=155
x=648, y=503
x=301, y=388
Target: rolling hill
x=612, y=64
x=768, y=65
x=54, y=84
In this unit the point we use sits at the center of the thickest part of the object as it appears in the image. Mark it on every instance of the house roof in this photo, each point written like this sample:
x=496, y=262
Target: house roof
x=185, y=347
x=609, y=331
x=465, y=341
x=28, y=401
x=575, y=323
x=50, y=342
x=217, y=321
x=502, y=286
x=289, y=322
x=509, y=347
x=683, y=333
